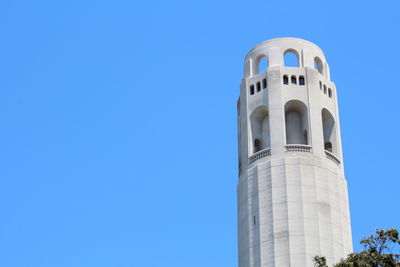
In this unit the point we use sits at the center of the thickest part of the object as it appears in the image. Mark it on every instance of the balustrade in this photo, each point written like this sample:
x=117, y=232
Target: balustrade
x=260, y=154
x=298, y=148
x=332, y=157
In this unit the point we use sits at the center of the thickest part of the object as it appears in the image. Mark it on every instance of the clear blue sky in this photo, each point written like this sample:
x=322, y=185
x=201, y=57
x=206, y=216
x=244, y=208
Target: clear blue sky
x=118, y=142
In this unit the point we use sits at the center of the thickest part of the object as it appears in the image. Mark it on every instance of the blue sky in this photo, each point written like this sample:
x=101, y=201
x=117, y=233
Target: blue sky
x=118, y=142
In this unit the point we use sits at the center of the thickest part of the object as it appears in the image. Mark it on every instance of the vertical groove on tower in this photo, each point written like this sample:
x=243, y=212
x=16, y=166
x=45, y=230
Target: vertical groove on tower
x=250, y=217
x=256, y=218
x=312, y=229
x=269, y=222
x=280, y=210
x=295, y=210
x=325, y=216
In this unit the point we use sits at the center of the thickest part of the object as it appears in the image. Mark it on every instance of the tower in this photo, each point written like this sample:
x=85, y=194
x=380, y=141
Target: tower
x=292, y=193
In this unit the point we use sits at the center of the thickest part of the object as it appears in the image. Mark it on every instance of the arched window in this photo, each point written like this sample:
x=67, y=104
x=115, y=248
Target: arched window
x=260, y=129
x=291, y=58
x=296, y=122
x=264, y=83
x=329, y=131
x=258, y=87
x=251, y=89
x=301, y=80
x=285, y=79
x=318, y=65
x=293, y=79
x=320, y=85
x=261, y=64
x=324, y=89
x=330, y=92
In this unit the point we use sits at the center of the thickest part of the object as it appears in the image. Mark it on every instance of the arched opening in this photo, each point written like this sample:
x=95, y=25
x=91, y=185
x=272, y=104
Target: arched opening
x=330, y=92
x=329, y=131
x=293, y=79
x=264, y=83
x=296, y=122
x=251, y=89
x=320, y=85
x=258, y=87
x=260, y=129
x=324, y=89
x=261, y=64
x=285, y=79
x=291, y=58
x=318, y=65
x=301, y=80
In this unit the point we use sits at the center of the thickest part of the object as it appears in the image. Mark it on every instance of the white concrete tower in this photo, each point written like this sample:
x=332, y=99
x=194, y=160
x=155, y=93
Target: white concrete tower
x=292, y=194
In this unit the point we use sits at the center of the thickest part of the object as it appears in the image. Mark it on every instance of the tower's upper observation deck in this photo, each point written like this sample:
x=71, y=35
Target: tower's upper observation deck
x=308, y=55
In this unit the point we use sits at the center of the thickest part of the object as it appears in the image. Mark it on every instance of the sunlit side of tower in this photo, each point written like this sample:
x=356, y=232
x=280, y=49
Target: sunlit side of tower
x=292, y=193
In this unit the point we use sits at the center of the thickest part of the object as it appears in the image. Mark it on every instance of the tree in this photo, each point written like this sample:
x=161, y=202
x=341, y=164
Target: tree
x=378, y=251
x=319, y=261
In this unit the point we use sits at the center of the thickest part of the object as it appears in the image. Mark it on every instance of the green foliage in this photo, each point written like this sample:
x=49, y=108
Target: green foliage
x=319, y=261
x=378, y=251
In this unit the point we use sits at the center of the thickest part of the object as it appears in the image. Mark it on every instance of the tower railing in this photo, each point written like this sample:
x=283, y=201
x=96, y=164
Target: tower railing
x=298, y=148
x=332, y=157
x=260, y=154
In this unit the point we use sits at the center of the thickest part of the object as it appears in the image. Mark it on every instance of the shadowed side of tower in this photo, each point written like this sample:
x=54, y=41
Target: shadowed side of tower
x=292, y=193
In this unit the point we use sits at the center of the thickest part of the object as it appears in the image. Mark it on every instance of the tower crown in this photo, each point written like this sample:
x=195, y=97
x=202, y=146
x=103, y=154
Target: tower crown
x=288, y=108
x=307, y=54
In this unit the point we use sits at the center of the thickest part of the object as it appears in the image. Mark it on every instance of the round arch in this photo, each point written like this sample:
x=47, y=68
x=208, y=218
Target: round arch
x=260, y=63
x=318, y=65
x=329, y=131
x=260, y=134
x=291, y=58
x=296, y=123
